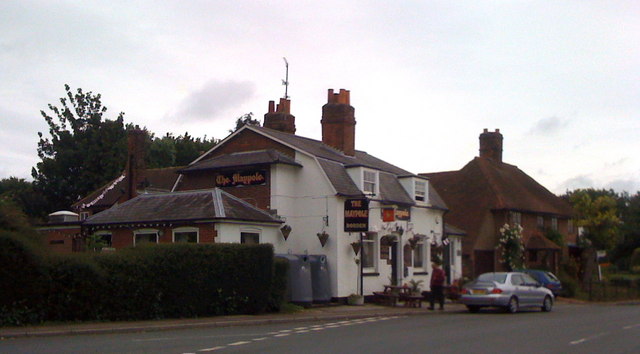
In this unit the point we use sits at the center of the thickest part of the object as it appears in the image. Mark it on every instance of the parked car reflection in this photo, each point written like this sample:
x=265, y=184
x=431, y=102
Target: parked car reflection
x=508, y=290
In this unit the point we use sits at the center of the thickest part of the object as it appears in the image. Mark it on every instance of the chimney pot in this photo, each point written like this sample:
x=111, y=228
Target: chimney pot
x=280, y=118
x=271, y=106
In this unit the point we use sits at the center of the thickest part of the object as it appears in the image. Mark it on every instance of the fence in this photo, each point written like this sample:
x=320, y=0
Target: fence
x=612, y=290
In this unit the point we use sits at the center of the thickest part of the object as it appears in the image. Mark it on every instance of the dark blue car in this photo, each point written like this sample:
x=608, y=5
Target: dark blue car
x=547, y=279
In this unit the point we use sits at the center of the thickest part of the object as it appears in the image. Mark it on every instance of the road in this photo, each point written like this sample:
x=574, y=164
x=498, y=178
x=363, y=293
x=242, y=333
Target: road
x=568, y=329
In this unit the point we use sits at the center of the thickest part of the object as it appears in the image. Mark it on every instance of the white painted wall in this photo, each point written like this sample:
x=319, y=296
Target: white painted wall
x=229, y=232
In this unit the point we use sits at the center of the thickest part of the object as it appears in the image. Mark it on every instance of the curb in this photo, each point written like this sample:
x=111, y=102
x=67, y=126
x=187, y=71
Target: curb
x=16, y=333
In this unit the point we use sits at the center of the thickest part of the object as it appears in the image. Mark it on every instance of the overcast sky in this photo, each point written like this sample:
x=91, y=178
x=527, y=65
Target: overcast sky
x=560, y=79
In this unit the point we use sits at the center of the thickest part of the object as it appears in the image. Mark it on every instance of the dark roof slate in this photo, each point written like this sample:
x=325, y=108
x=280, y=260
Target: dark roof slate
x=240, y=159
x=210, y=204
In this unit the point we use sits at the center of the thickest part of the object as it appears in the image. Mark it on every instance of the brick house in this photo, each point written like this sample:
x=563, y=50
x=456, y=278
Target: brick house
x=488, y=193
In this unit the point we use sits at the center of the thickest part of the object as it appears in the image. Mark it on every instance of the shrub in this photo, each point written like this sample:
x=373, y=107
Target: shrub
x=569, y=284
x=634, y=261
x=278, y=285
x=24, y=279
x=620, y=280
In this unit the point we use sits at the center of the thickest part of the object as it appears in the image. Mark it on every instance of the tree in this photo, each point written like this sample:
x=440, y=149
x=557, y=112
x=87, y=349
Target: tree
x=83, y=151
x=24, y=196
x=596, y=213
x=176, y=151
x=244, y=120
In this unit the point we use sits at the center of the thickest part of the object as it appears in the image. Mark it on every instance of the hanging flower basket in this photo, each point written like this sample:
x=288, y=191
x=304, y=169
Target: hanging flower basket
x=285, y=230
x=356, y=247
x=323, y=237
x=413, y=242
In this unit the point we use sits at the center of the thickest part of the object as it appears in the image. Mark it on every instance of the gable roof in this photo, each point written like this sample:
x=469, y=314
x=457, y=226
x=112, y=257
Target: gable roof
x=154, y=179
x=239, y=159
x=484, y=185
x=200, y=205
x=334, y=163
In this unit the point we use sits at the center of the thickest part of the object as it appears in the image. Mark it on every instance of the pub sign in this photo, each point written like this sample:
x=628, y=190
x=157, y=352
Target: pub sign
x=241, y=178
x=356, y=215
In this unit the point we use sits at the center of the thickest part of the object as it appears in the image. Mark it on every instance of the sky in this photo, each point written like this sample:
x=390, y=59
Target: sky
x=560, y=79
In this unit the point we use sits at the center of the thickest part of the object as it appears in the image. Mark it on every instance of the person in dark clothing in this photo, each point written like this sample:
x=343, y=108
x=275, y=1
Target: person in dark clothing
x=437, y=286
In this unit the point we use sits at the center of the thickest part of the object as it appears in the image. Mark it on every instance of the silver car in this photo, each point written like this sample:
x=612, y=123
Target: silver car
x=508, y=290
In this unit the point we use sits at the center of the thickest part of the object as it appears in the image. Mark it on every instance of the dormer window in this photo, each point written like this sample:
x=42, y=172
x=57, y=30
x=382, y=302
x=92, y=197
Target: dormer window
x=369, y=182
x=420, y=189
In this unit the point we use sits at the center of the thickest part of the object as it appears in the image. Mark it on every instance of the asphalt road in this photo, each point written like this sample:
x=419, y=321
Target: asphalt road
x=568, y=329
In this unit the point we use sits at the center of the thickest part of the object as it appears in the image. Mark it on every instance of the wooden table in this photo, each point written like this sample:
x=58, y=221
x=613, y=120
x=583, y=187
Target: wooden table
x=393, y=293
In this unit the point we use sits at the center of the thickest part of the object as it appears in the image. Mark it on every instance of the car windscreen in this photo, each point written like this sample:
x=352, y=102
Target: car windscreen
x=499, y=277
x=552, y=277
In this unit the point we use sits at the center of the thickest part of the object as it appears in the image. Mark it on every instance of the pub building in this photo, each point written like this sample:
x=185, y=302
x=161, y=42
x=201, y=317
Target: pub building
x=374, y=222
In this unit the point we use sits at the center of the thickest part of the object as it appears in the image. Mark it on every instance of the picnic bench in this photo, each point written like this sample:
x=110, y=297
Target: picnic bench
x=392, y=294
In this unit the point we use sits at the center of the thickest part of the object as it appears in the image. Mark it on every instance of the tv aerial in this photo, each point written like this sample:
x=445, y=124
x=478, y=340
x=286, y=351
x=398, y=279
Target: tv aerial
x=285, y=82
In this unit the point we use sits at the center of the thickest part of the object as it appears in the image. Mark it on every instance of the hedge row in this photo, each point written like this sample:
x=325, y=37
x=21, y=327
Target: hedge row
x=158, y=281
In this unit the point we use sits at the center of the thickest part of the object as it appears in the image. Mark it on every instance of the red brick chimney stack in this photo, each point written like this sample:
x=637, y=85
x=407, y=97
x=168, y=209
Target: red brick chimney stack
x=135, y=162
x=280, y=117
x=339, y=122
x=491, y=145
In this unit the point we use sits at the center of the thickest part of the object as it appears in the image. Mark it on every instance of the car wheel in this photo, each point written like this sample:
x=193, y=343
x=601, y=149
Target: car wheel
x=473, y=309
x=547, y=304
x=512, y=307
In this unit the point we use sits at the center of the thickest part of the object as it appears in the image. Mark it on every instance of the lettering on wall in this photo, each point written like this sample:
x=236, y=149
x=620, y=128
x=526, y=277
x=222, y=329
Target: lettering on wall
x=356, y=215
x=241, y=178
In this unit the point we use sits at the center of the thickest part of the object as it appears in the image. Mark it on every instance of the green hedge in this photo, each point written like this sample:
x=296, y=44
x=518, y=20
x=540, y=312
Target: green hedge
x=156, y=281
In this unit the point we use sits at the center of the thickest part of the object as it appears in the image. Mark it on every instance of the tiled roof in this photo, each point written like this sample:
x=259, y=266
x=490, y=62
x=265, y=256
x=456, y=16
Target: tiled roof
x=239, y=159
x=334, y=164
x=319, y=149
x=484, y=185
x=156, y=179
x=210, y=204
x=452, y=230
x=539, y=242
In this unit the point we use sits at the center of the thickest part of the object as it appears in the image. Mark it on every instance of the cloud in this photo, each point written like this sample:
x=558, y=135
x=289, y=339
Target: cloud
x=581, y=181
x=213, y=99
x=624, y=185
x=548, y=126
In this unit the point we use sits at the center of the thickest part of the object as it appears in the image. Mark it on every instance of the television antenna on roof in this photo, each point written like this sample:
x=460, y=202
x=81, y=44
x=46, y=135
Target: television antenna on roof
x=285, y=82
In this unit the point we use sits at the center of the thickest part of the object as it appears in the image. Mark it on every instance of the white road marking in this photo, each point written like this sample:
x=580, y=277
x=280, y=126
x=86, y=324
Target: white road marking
x=299, y=328
x=582, y=340
x=302, y=331
x=632, y=326
x=317, y=329
x=212, y=349
x=259, y=339
x=282, y=335
x=285, y=331
x=239, y=343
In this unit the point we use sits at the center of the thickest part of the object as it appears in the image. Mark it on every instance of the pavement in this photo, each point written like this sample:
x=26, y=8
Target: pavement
x=328, y=312
x=315, y=313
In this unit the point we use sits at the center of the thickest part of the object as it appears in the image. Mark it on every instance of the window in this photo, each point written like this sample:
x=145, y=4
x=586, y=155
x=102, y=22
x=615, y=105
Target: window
x=554, y=224
x=570, y=226
x=185, y=235
x=420, y=191
x=515, y=218
x=249, y=238
x=145, y=236
x=84, y=215
x=517, y=280
x=540, y=222
x=105, y=237
x=369, y=249
x=418, y=255
x=369, y=181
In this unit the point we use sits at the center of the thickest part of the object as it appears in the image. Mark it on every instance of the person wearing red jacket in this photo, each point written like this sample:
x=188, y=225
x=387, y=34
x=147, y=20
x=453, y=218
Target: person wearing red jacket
x=437, y=286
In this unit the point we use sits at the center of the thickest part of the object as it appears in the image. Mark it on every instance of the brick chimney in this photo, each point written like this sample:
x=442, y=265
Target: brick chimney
x=280, y=117
x=339, y=123
x=135, y=162
x=491, y=145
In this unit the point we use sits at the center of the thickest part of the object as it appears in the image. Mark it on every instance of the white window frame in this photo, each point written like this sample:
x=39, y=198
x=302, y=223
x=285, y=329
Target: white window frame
x=144, y=232
x=420, y=192
x=540, y=222
x=554, y=223
x=185, y=229
x=374, y=251
x=251, y=231
x=375, y=182
x=419, y=245
x=515, y=217
x=84, y=215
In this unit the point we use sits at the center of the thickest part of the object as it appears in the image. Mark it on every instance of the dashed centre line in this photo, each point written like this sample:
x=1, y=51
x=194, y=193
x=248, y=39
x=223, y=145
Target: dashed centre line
x=307, y=329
